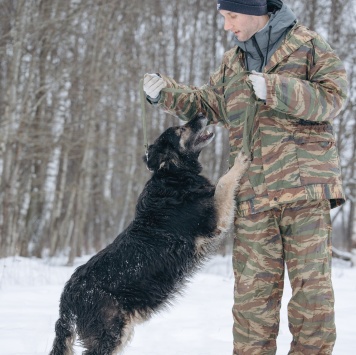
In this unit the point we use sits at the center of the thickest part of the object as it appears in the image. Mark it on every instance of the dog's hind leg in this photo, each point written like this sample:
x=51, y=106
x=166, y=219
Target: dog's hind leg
x=106, y=334
x=63, y=342
x=109, y=333
x=106, y=340
x=128, y=330
x=225, y=192
x=125, y=338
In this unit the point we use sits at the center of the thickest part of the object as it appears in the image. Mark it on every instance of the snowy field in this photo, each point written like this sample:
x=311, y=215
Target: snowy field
x=198, y=324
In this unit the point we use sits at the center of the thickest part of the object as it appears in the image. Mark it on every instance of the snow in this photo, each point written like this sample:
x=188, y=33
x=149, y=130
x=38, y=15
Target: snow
x=199, y=322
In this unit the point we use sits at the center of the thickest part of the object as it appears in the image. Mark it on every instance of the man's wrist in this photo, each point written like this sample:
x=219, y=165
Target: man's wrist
x=154, y=100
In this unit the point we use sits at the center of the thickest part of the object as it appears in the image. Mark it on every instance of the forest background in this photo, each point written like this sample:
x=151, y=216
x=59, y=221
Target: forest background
x=71, y=139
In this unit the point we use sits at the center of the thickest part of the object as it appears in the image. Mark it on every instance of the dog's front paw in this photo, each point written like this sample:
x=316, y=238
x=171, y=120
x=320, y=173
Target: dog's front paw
x=242, y=160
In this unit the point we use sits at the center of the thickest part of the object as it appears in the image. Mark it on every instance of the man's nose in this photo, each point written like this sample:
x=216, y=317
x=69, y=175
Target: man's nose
x=227, y=25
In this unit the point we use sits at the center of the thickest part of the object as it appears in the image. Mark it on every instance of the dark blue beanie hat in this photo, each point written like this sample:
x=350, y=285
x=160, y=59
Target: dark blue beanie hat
x=248, y=7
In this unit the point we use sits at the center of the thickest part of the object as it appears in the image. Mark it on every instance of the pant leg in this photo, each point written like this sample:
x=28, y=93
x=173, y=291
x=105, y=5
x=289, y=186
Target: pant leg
x=306, y=231
x=259, y=276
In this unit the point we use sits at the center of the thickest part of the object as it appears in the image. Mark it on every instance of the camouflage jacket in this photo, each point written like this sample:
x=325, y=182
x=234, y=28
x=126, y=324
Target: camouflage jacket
x=294, y=152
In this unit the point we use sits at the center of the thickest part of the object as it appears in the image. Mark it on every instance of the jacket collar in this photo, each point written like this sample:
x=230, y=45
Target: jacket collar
x=265, y=42
x=296, y=37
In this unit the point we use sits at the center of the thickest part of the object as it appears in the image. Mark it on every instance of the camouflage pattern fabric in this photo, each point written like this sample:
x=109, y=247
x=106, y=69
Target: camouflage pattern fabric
x=297, y=235
x=294, y=153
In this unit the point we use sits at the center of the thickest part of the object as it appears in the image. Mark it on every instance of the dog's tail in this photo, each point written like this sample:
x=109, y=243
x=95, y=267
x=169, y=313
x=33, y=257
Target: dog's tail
x=65, y=336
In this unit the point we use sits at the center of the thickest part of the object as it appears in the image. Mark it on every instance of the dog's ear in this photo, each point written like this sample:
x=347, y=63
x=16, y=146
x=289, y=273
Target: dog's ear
x=152, y=158
x=158, y=157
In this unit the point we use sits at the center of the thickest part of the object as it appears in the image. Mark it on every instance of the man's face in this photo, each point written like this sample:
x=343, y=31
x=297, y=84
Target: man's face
x=243, y=26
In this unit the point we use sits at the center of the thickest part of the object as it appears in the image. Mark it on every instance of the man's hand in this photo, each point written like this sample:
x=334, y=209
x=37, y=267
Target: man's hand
x=259, y=84
x=153, y=84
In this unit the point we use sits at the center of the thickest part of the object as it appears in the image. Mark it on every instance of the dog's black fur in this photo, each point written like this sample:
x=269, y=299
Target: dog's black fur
x=150, y=260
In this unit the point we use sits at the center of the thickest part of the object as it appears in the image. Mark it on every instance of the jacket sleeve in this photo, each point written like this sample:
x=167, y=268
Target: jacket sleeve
x=188, y=101
x=318, y=99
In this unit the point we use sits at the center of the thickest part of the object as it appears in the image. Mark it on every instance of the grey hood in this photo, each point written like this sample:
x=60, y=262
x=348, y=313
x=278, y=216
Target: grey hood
x=266, y=41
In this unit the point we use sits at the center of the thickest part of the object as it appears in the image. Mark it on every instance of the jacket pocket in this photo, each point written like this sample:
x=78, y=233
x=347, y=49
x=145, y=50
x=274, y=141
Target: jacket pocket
x=317, y=157
x=279, y=157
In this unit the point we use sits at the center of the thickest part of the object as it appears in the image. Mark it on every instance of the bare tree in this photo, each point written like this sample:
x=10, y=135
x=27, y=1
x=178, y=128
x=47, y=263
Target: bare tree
x=71, y=142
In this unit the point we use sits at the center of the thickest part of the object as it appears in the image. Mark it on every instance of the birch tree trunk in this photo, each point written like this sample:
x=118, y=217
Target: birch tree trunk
x=71, y=142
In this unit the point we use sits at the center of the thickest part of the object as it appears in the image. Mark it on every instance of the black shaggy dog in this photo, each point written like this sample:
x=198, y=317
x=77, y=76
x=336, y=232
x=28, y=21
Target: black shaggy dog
x=179, y=216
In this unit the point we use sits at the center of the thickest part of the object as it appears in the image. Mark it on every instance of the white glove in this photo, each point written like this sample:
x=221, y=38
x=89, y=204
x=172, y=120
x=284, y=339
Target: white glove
x=259, y=84
x=153, y=84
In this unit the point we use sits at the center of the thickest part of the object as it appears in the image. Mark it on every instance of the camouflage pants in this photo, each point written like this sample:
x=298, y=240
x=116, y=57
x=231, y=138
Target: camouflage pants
x=297, y=235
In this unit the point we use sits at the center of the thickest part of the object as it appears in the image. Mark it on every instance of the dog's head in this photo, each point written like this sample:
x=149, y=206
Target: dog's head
x=179, y=147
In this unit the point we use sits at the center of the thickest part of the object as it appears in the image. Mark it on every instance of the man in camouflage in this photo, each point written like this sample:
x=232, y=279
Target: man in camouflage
x=297, y=87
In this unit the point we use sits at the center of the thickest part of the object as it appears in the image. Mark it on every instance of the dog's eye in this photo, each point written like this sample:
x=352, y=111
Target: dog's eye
x=182, y=129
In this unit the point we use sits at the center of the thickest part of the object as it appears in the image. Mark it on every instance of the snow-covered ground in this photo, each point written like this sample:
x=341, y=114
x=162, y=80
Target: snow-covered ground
x=198, y=324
